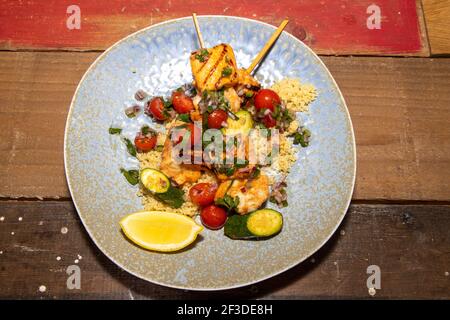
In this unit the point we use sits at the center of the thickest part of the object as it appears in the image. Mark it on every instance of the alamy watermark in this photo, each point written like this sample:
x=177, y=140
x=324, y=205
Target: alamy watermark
x=212, y=147
x=74, y=20
x=374, y=20
x=74, y=279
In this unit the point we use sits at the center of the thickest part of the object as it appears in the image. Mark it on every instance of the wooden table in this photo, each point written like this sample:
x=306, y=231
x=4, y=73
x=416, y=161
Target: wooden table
x=396, y=81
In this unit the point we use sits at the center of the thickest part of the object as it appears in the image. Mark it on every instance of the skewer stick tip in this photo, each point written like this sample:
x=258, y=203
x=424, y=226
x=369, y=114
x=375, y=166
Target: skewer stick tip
x=197, y=29
x=267, y=46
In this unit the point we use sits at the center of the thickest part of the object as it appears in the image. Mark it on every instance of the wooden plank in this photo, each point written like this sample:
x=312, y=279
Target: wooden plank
x=400, y=110
x=333, y=27
x=410, y=244
x=437, y=18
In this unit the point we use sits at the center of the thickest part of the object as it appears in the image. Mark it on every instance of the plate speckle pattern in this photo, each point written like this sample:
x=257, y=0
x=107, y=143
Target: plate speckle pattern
x=156, y=60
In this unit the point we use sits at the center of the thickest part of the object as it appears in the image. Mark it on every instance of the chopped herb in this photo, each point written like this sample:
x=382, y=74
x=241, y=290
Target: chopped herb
x=132, y=176
x=184, y=117
x=228, y=202
x=302, y=137
x=167, y=103
x=202, y=56
x=115, y=131
x=145, y=130
x=255, y=173
x=249, y=94
x=173, y=197
x=229, y=171
x=241, y=164
x=277, y=112
x=227, y=71
x=130, y=147
x=159, y=148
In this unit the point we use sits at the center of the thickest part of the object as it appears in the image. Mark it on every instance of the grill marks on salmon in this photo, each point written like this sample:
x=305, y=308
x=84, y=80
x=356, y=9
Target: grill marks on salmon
x=214, y=70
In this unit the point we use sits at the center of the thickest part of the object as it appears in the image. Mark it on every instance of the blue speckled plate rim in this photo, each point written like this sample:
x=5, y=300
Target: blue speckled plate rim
x=99, y=58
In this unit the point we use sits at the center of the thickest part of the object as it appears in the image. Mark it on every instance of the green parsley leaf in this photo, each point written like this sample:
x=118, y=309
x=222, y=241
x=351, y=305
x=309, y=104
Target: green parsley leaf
x=132, y=176
x=173, y=197
x=130, y=147
x=115, y=130
x=184, y=117
x=228, y=202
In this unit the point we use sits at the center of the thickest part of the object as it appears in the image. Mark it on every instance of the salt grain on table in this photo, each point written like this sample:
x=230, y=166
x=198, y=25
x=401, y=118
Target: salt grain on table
x=64, y=230
x=12, y=233
x=42, y=288
x=76, y=261
x=20, y=218
x=2, y=218
x=58, y=258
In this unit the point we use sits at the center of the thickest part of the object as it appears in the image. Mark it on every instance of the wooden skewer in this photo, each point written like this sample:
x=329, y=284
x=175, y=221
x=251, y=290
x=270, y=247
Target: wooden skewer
x=197, y=28
x=267, y=46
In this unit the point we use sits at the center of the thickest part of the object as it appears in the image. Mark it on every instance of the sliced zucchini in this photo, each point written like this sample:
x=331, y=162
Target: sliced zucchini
x=265, y=222
x=242, y=125
x=154, y=180
x=259, y=224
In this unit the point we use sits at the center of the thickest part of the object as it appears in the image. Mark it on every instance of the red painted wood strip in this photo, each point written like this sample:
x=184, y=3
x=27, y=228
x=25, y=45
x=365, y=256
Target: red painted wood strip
x=330, y=27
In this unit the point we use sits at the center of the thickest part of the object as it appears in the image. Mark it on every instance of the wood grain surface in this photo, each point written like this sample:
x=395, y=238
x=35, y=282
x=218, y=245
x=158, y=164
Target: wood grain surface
x=400, y=110
x=437, y=17
x=410, y=244
x=329, y=27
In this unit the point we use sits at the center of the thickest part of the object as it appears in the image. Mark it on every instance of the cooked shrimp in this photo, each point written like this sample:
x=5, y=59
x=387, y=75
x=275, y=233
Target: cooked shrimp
x=179, y=173
x=251, y=193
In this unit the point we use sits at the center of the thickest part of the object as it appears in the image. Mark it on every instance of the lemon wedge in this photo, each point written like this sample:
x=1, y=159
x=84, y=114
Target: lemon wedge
x=159, y=230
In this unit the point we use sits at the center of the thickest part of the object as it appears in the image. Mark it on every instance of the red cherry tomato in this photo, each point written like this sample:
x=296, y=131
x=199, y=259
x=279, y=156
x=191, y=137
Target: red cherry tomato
x=181, y=102
x=202, y=194
x=213, y=217
x=144, y=143
x=216, y=118
x=156, y=108
x=267, y=99
x=269, y=121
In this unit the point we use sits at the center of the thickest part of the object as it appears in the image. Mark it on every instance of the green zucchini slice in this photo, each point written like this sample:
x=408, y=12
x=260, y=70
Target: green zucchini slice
x=265, y=222
x=259, y=224
x=242, y=125
x=154, y=180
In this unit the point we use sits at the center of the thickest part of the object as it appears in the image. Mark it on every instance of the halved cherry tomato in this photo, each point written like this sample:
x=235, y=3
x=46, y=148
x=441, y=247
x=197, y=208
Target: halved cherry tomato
x=217, y=118
x=144, y=143
x=202, y=194
x=156, y=108
x=267, y=99
x=269, y=121
x=181, y=102
x=213, y=217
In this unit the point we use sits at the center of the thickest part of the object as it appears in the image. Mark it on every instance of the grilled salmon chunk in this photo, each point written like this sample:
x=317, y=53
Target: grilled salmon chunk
x=214, y=68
